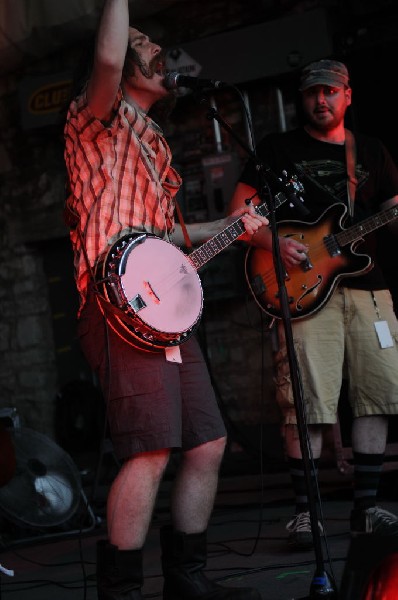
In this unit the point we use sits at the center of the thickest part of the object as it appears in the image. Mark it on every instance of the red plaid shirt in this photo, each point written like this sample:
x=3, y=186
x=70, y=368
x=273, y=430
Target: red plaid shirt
x=120, y=180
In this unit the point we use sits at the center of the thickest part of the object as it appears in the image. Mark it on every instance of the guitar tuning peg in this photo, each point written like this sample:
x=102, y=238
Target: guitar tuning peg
x=293, y=181
x=297, y=185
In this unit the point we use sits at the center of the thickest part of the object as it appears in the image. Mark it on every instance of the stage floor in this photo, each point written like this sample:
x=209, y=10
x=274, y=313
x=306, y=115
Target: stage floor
x=246, y=539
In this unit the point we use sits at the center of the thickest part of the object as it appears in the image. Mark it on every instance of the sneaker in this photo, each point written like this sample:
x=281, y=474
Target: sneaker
x=373, y=520
x=299, y=528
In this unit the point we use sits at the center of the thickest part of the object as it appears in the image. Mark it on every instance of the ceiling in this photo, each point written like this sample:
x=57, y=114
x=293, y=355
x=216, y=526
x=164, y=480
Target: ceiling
x=32, y=29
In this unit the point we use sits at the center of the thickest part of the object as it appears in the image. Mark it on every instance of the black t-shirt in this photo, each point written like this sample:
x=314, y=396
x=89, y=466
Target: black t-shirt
x=321, y=168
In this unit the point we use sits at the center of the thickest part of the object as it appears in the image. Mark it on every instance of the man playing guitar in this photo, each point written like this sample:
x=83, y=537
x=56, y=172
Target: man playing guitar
x=354, y=331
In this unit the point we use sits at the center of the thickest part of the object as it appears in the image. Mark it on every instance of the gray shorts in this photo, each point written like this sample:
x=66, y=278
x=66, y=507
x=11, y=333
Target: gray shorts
x=340, y=341
x=151, y=403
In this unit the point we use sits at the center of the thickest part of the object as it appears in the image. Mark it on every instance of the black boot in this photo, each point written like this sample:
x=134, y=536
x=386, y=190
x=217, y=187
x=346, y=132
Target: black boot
x=119, y=573
x=183, y=561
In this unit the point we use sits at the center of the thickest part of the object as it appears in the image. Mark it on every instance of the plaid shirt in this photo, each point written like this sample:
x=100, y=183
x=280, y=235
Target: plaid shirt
x=120, y=181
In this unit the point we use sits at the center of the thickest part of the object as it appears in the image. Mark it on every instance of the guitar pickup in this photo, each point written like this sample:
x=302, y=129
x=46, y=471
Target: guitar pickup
x=258, y=285
x=332, y=245
x=137, y=303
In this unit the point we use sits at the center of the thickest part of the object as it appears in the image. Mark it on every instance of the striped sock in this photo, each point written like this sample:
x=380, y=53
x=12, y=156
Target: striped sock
x=367, y=473
x=297, y=474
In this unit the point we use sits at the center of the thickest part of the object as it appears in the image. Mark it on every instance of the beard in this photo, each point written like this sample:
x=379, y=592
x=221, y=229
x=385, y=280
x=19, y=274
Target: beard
x=161, y=109
x=322, y=123
x=133, y=61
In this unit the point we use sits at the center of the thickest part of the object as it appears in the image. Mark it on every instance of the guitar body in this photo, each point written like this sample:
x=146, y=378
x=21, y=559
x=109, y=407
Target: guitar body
x=309, y=284
x=151, y=292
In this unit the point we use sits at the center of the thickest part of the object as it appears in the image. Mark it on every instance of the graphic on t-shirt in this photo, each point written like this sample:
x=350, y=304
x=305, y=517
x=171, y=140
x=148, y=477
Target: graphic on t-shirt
x=329, y=176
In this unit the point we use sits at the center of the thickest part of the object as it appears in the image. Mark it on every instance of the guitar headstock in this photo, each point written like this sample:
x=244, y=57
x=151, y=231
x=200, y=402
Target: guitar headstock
x=294, y=191
x=285, y=188
x=292, y=184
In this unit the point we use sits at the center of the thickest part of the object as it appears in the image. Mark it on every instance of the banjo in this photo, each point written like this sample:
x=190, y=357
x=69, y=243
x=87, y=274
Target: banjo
x=150, y=291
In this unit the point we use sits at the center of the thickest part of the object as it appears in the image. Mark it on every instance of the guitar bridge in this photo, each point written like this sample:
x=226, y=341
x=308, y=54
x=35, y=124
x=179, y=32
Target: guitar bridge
x=306, y=264
x=151, y=292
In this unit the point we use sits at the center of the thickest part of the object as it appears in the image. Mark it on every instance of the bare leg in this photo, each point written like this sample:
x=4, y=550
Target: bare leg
x=292, y=440
x=369, y=434
x=132, y=498
x=184, y=544
x=299, y=527
x=195, y=487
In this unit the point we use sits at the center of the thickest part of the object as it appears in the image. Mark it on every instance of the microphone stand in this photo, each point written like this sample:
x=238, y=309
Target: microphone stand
x=322, y=585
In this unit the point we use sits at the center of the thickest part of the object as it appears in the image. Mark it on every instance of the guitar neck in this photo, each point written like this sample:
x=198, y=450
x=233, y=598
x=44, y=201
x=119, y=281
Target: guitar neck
x=356, y=232
x=227, y=236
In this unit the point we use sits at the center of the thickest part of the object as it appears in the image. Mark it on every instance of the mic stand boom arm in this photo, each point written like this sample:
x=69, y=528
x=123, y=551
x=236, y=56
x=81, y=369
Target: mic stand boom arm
x=321, y=586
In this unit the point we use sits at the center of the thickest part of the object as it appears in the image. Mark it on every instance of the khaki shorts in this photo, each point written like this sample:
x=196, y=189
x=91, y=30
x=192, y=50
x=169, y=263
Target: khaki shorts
x=340, y=341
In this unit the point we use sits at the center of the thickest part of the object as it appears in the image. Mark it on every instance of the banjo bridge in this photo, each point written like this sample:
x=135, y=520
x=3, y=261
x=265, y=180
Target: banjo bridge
x=151, y=292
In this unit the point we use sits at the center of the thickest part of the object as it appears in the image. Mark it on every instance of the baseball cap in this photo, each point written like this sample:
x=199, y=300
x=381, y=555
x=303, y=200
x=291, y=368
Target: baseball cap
x=324, y=72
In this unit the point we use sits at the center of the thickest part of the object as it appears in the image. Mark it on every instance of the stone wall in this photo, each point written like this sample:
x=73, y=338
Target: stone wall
x=31, y=200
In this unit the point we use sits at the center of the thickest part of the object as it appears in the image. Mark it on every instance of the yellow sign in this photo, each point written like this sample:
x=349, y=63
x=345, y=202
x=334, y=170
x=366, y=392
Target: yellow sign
x=43, y=98
x=49, y=98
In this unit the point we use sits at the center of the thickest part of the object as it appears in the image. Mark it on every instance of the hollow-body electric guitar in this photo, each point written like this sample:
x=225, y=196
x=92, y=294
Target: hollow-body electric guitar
x=330, y=257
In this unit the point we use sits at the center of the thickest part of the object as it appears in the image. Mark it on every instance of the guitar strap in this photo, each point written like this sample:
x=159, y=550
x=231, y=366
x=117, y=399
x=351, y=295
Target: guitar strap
x=71, y=219
x=350, y=154
x=187, y=239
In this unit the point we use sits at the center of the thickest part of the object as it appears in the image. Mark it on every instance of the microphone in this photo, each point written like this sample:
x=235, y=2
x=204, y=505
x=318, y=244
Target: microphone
x=174, y=80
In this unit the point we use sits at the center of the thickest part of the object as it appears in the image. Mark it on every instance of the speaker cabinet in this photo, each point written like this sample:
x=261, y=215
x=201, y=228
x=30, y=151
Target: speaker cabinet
x=371, y=571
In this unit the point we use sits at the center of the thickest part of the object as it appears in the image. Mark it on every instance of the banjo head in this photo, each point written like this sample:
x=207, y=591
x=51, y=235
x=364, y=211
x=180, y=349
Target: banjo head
x=156, y=287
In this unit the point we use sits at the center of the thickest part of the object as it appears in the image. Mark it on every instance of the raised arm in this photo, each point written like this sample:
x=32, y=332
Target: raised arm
x=110, y=51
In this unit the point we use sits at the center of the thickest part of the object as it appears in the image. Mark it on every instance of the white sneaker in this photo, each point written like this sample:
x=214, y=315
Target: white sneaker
x=374, y=520
x=300, y=533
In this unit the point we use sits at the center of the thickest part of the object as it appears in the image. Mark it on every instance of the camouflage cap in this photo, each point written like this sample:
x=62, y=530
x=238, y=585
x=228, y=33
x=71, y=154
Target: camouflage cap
x=324, y=72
